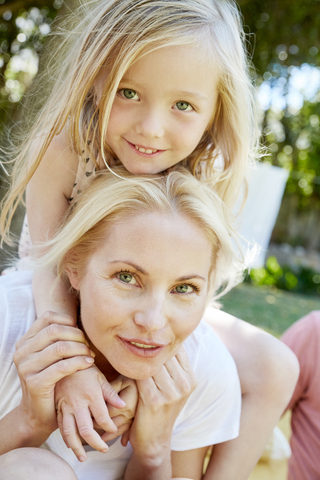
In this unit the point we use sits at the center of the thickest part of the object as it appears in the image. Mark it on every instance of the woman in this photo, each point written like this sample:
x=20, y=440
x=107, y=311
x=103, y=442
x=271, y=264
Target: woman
x=143, y=255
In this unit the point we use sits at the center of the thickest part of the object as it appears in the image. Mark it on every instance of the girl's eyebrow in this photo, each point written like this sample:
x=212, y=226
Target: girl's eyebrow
x=177, y=93
x=196, y=95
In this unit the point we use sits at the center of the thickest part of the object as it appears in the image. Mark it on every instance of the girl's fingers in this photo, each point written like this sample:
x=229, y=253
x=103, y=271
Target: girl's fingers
x=60, y=418
x=86, y=431
x=70, y=435
x=100, y=413
x=111, y=396
x=123, y=426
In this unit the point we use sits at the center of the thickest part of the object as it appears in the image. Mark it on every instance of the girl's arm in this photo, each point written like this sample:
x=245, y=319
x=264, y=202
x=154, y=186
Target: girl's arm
x=268, y=372
x=47, y=202
x=52, y=349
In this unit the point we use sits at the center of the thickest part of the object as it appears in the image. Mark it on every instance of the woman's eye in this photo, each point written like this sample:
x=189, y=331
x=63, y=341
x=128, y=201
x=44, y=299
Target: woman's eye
x=183, y=106
x=184, y=289
x=129, y=94
x=127, y=278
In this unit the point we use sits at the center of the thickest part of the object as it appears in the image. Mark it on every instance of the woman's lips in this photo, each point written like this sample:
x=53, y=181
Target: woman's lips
x=142, y=348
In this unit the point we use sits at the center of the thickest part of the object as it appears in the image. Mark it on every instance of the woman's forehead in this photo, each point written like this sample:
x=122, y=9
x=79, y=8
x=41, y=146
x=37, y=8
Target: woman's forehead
x=153, y=237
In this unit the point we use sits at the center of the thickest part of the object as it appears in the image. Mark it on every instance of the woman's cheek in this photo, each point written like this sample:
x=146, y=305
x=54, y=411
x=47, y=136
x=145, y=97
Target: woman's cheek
x=188, y=317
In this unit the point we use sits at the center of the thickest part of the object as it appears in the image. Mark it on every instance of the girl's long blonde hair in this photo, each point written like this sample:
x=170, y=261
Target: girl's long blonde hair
x=112, y=199
x=114, y=34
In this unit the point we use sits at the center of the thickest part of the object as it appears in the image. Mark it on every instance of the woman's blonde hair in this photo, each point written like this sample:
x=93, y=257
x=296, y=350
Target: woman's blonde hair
x=114, y=198
x=114, y=34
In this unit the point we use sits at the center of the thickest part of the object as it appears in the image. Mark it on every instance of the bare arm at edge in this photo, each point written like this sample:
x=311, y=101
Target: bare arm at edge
x=268, y=372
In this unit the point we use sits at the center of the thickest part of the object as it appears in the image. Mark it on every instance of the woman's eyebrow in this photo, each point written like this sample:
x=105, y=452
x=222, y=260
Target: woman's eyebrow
x=140, y=269
x=189, y=277
x=136, y=267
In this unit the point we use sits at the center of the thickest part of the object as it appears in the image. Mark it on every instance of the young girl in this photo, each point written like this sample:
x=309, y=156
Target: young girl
x=149, y=84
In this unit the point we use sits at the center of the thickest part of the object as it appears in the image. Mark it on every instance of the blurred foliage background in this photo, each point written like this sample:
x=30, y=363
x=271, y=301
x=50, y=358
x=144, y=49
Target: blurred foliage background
x=284, y=43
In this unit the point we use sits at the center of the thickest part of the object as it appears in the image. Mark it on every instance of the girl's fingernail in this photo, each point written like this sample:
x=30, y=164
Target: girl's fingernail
x=89, y=359
x=122, y=403
x=104, y=450
x=82, y=458
x=92, y=353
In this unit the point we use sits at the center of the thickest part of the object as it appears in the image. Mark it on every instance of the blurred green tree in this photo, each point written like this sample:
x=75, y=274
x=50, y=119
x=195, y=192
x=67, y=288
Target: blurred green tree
x=24, y=27
x=285, y=46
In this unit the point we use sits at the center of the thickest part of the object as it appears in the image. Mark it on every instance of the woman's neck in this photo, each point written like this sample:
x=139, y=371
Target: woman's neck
x=100, y=360
x=104, y=366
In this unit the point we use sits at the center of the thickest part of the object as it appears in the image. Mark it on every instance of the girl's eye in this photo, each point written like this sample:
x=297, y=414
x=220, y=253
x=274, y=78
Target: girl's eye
x=127, y=278
x=183, y=106
x=184, y=288
x=129, y=94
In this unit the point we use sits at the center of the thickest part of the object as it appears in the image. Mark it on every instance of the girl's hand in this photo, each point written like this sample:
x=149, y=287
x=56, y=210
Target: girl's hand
x=51, y=350
x=128, y=392
x=81, y=402
x=161, y=399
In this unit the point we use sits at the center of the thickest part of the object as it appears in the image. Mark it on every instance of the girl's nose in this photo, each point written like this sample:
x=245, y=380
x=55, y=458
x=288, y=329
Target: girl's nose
x=151, y=316
x=150, y=124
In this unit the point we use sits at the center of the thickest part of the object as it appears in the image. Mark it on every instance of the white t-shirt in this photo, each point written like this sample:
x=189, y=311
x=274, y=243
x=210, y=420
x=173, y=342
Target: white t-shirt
x=211, y=415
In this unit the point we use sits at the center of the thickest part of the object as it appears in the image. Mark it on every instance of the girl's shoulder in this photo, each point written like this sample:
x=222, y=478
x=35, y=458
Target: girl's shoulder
x=61, y=149
x=59, y=164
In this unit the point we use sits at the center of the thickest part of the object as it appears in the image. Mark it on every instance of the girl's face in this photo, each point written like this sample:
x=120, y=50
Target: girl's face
x=144, y=292
x=163, y=106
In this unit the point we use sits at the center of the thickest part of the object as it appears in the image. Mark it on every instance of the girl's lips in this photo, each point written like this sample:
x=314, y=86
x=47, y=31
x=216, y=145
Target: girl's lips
x=143, y=154
x=132, y=346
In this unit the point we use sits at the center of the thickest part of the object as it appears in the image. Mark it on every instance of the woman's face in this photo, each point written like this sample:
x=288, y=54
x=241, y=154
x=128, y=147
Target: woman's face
x=144, y=291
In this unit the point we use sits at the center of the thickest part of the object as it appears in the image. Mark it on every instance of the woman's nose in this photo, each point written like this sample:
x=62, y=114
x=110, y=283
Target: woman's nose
x=151, y=317
x=150, y=125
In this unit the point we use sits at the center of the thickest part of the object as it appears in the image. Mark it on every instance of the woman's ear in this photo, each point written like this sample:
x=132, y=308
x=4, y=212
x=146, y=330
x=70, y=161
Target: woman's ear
x=74, y=277
x=72, y=269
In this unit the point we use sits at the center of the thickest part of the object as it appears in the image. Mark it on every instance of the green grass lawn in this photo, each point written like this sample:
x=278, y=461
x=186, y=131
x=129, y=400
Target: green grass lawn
x=266, y=307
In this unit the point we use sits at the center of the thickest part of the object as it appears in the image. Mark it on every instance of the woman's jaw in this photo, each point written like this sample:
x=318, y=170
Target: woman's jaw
x=144, y=292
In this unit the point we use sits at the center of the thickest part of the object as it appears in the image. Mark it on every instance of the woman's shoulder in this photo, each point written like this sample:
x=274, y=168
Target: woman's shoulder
x=212, y=412
x=208, y=354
